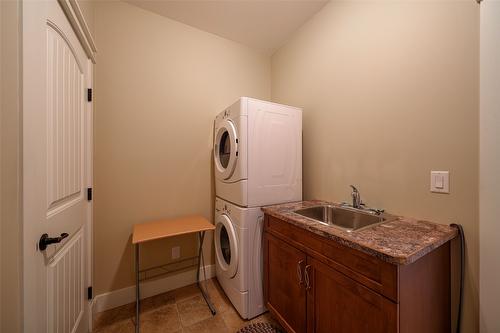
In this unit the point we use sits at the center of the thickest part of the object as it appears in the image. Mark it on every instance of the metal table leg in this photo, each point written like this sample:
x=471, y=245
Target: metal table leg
x=205, y=294
x=137, y=294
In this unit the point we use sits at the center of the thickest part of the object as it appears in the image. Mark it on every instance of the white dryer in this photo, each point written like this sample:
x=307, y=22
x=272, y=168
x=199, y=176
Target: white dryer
x=238, y=251
x=258, y=153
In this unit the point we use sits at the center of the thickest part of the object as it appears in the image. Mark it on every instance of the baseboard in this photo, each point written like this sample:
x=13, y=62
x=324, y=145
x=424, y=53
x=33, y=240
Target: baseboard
x=150, y=288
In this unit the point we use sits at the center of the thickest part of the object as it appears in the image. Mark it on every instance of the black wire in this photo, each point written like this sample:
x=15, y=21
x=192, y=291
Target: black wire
x=462, y=272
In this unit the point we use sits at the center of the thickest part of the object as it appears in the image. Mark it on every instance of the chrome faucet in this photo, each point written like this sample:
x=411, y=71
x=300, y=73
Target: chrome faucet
x=356, y=198
x=359, y=204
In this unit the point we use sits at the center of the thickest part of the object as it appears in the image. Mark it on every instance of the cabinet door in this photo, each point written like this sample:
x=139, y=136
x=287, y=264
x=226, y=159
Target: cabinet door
x=338, y=304
x=284, y=283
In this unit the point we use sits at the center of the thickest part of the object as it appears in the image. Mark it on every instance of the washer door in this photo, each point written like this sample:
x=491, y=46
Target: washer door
x=226, y=246
x=225, y=149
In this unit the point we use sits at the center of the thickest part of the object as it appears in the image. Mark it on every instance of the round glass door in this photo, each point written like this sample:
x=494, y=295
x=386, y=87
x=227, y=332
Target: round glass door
x=226, y=248
x=225, y=150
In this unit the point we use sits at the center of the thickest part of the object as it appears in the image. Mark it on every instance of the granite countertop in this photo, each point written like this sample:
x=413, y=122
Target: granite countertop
x=401, y=241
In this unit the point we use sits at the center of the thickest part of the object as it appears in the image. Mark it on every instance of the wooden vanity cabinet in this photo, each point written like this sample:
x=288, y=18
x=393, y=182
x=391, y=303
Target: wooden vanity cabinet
x=314, y=285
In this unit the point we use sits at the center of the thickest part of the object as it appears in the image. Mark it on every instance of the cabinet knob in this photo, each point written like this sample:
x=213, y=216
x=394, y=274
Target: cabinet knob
x=299, y=272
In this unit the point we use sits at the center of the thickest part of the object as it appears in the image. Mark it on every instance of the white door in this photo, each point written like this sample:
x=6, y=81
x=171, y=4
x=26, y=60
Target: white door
x=56, y=171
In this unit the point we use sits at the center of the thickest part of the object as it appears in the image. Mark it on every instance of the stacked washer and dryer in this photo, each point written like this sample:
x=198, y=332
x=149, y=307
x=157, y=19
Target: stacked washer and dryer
x=258, y=162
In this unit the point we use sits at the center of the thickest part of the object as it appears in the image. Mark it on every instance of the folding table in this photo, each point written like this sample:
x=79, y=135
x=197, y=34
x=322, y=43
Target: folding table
x=145, y=232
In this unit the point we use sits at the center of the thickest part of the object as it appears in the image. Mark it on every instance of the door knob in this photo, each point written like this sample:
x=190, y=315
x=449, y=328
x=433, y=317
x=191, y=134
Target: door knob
x=46, y=240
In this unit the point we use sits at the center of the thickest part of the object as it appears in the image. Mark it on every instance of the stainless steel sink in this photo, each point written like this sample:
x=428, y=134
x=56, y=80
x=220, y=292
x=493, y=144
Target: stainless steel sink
x=345, y=218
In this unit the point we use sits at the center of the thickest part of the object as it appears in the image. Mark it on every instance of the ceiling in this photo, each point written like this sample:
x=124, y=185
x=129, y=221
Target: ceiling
x=261, y=24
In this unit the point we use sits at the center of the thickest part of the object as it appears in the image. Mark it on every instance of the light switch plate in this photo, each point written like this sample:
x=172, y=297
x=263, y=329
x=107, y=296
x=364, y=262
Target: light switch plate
x=440, y=181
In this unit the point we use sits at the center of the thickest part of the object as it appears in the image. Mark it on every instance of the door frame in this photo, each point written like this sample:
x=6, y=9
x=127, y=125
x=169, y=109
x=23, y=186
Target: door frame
x=80, y=27
x=489, y=160
x=11, y=167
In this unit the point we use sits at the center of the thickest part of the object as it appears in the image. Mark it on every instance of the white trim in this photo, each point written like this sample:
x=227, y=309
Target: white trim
x=80, y=27
x=83, y=23
x=150, y=288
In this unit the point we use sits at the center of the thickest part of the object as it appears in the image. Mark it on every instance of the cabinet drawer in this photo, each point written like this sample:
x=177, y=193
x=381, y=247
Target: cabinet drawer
x=370, y=271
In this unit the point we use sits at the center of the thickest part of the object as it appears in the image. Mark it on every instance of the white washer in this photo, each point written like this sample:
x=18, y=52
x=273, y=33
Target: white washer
x=238, y=252
x=258, y=153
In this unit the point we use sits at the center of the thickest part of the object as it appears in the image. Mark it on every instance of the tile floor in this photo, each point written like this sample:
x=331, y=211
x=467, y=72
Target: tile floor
x=179, y=311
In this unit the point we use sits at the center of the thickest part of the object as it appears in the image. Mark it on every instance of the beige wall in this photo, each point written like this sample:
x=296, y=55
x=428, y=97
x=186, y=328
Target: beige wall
x=490, y=164
x=159, y=85
x=390, y=92
x=10, y=242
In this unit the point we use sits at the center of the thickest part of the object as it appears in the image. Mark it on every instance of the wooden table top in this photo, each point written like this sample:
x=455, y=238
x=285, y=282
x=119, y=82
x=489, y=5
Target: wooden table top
x=148, y=231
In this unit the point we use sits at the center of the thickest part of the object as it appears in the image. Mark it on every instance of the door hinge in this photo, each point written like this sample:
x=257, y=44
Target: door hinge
x=89, y=194
x=89, y=293
x=89, y=95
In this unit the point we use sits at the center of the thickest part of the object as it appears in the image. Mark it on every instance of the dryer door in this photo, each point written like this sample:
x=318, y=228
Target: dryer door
x=225, y=149
x=226, y=246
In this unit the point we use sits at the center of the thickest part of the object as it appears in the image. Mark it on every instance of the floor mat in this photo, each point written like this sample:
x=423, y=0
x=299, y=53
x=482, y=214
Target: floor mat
x=260, y=328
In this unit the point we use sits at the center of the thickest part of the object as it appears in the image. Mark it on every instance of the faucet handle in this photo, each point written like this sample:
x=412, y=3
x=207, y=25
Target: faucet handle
x=354, y=189
x=377, y=211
